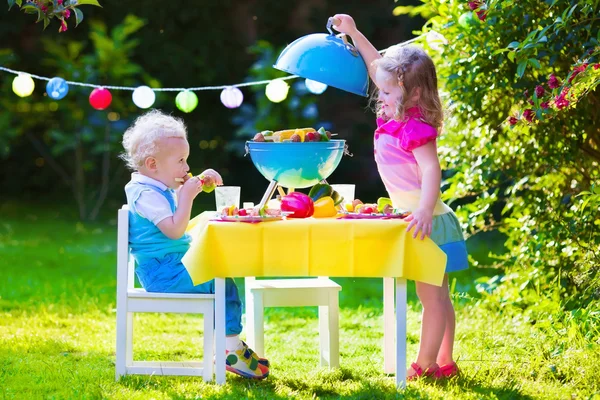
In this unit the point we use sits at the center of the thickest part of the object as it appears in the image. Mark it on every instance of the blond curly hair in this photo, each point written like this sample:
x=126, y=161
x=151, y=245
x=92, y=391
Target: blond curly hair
x=141, y=139
x=413, y=68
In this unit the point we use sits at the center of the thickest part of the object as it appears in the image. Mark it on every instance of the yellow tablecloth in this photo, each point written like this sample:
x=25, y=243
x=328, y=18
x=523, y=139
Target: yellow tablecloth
x=310, y=247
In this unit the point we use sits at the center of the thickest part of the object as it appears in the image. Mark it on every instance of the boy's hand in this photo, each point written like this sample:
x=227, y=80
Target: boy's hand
x=347, y=24
x=210, y=177
x=190, y=188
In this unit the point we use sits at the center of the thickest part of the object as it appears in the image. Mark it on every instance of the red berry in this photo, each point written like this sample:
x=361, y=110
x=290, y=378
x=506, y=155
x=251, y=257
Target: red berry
x=513, y=120
x=243, y=213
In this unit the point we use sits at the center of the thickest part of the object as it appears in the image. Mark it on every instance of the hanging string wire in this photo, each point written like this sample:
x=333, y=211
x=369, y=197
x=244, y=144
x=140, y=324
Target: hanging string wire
x=193, y=89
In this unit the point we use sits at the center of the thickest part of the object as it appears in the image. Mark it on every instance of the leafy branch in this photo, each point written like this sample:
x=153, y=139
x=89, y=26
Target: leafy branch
x=46, y=10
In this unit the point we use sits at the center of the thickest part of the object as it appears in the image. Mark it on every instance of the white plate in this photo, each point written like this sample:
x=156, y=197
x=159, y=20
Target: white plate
x=253, y=219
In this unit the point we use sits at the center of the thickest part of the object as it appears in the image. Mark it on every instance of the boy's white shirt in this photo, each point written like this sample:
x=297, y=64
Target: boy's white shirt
x=152, y=205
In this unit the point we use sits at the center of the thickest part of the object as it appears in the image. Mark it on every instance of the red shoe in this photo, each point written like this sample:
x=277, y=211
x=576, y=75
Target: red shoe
x=433, y=371
x=449, y=370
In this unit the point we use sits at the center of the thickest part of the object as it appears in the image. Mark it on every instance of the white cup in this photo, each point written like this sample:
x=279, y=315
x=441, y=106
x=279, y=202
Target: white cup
x=227, y=196
x=346, y=191
x=248, y=204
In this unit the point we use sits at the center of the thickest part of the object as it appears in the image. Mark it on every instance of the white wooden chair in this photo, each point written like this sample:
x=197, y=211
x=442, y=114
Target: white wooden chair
x=321, y=292
x=136, y=300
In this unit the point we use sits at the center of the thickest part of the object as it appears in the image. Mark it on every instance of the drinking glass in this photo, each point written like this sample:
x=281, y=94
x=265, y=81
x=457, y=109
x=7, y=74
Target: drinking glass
x=227, y=196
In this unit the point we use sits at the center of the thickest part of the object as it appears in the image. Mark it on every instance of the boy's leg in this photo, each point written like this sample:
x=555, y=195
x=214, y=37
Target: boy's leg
x=240, y=359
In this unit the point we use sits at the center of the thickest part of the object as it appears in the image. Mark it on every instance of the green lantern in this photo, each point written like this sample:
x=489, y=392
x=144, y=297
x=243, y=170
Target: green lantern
x=186, y=101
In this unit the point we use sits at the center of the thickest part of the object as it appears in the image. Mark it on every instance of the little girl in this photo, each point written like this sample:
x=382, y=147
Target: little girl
x=410, y=115
x=160, y=196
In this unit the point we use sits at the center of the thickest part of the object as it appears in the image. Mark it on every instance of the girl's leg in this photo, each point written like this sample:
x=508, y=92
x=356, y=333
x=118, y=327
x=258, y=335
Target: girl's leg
x=433, y=324
x=444, y=356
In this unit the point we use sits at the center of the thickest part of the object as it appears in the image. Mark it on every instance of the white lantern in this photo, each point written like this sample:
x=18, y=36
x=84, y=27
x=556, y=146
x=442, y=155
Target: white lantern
x=23, y=85
x=277, y=90
x=315, y=87
x=232, y=97
x=143, y=97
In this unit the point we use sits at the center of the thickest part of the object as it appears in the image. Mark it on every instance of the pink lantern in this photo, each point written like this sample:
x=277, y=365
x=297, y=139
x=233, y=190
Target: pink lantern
x=231, y=97
x=100, y=98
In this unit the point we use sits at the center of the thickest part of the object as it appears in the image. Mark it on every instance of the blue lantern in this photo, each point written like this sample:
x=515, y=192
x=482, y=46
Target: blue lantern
x=57, y=88
x=327, y=59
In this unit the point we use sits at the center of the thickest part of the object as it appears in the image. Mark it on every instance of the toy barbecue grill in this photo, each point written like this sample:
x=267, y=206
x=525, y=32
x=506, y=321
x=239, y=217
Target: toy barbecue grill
x=295, y=165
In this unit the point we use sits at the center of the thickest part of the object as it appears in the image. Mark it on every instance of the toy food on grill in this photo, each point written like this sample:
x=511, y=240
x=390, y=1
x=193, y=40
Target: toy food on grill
x=299, y=135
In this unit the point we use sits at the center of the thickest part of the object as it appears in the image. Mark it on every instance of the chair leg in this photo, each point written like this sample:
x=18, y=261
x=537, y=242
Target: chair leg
x=258, y=320
x=122, y=333
x=209, y=349
x=389, y=327
x=329, y=331
x=129, y=341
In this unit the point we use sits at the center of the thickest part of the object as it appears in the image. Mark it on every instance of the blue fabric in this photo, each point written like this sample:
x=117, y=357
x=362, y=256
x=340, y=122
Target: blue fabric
x=158, y=259
x=457, y=258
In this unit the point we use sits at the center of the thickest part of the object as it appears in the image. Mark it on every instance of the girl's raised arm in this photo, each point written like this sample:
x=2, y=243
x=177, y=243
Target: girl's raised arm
x=345, y=24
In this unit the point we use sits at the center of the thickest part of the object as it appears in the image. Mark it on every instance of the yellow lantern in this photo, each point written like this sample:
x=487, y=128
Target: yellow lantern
x=23, y=85
x=277, y=90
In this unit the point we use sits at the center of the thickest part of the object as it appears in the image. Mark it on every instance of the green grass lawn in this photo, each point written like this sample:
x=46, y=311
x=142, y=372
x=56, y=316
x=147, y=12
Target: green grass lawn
x=57, y=333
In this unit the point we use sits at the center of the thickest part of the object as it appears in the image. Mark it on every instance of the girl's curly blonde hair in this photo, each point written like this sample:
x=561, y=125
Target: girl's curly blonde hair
x=413, y=68
x=141, y=139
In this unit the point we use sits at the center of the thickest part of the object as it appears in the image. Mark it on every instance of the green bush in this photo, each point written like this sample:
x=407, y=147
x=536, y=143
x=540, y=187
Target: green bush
x=522, y=137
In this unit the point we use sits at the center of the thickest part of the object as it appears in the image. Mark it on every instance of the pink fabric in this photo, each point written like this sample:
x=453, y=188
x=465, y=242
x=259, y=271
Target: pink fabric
x=394, y=142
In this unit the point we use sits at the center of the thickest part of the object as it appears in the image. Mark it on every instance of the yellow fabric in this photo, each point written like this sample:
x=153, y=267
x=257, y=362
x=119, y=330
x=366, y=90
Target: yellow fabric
x=311, y=247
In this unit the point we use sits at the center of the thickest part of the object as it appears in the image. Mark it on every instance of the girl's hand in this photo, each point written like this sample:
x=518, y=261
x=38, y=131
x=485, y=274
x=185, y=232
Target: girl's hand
x=212, y=176
x=347, y=24
x=421, y=219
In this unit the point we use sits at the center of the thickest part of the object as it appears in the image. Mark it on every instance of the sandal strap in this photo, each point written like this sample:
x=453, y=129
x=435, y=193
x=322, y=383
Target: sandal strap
x=417, y=368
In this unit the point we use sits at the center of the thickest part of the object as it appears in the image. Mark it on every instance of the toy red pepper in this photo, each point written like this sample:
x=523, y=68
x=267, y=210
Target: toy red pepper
x=300, y=204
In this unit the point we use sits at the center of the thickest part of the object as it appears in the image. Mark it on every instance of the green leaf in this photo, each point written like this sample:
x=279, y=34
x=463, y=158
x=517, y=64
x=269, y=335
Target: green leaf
x=535, y=63
x=521, y=68
x=513, y=45
x=11, y=3
x=543, y=39
x=78, y=16
x=90, y=2
x=46, y=22
x=40, y=17
x=511, y=56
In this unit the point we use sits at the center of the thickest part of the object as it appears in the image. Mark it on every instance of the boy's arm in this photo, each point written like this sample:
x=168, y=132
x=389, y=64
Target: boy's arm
x=174, y=227
x=345, y=24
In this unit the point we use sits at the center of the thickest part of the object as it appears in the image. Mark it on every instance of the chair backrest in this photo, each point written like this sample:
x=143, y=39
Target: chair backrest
x=125, y=263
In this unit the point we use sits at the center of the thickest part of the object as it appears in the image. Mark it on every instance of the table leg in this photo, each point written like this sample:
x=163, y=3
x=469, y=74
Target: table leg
x=220, y=330
x=401, y=332
x=389, y=327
